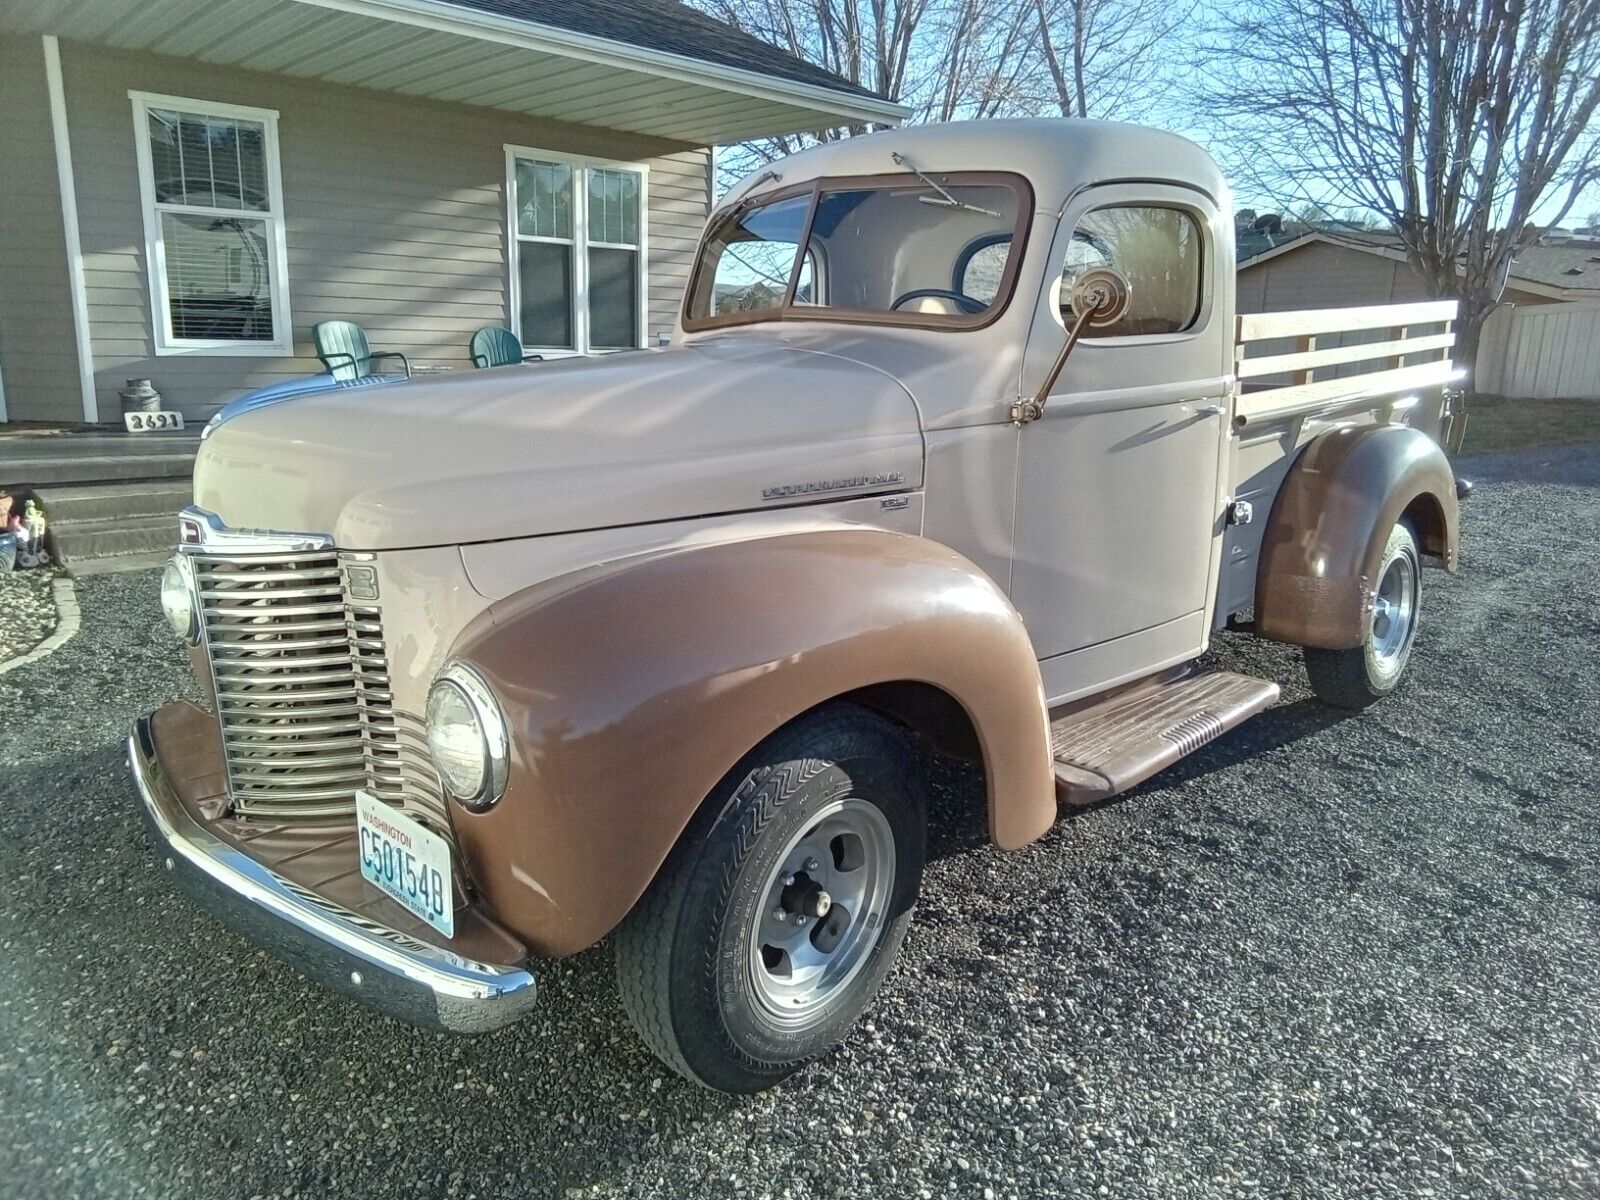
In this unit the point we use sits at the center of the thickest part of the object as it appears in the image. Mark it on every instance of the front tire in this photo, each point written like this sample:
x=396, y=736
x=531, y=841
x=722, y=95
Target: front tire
x=783, y=907
x=1360, y=676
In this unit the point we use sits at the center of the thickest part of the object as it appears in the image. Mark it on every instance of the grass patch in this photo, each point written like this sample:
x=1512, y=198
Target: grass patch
x=1499, y=423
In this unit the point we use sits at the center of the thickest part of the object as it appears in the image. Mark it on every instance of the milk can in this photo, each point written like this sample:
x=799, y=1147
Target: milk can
x=140, y=397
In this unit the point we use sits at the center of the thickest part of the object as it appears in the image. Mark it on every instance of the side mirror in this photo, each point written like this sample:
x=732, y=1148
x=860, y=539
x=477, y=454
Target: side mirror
x=1099, y=297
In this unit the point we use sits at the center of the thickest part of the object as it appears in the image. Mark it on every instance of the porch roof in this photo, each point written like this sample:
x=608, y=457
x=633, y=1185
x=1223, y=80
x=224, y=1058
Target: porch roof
x=650, y=67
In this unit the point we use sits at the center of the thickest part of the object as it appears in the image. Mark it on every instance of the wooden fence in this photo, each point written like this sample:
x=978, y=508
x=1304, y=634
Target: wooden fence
x=1541, y=351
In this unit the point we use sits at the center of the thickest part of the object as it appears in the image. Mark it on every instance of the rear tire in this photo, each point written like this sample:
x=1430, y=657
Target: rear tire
x=824, y=824
x=1364, y=674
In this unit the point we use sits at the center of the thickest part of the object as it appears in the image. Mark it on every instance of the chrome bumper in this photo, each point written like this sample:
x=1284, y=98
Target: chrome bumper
x=397, y=975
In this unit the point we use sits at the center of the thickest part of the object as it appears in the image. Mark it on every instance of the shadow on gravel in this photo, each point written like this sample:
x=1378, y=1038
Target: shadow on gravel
x=161, y=1007
x=1569, y=466
x=958, y=800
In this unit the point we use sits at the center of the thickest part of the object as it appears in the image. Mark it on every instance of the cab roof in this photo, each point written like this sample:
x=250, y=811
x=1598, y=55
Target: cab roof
x=1057, y=155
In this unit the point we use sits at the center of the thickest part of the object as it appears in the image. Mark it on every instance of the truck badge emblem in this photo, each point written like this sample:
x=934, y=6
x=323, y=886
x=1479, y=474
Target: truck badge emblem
x=362, y=582
x=819, y=487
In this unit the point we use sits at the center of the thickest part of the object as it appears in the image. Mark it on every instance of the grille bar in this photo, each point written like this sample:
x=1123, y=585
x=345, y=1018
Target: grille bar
x=302, y=691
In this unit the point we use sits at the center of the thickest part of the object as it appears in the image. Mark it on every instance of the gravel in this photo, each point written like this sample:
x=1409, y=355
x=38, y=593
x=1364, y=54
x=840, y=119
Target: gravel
x=1324, y=956
x=27, y=611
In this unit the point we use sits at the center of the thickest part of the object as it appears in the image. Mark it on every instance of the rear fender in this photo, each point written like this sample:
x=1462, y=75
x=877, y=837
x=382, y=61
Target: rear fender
x=1331, y=521
x=633, y=688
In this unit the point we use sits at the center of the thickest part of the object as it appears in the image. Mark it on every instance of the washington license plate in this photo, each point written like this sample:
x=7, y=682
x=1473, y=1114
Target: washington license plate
x=407, y=862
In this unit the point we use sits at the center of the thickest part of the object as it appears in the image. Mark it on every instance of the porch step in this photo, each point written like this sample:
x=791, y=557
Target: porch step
x=95, y=457
x=118, y=564
x=96, y=443
x=1112, y=744
x=41, y=472
x=106, y=537
x=145, y=498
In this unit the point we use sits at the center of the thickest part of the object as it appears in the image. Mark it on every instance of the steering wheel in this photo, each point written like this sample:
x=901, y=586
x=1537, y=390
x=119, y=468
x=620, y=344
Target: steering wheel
x=964, y=302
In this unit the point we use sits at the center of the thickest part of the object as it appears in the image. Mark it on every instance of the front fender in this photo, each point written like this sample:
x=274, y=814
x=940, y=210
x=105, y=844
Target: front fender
x=1331, y=520
x=633, y=688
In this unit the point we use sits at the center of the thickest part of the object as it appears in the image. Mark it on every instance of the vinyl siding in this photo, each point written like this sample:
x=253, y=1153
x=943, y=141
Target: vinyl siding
x=38, y=355
x=394, y=213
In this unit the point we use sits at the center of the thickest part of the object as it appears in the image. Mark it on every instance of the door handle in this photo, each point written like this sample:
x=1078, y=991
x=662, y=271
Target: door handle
x=1211, y=410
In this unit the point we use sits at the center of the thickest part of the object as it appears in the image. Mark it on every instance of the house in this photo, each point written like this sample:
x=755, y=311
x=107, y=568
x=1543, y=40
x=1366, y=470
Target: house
x=1544, y=343
x=188, y=186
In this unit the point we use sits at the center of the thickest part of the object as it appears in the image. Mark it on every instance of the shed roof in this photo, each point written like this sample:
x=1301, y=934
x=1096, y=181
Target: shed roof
x=1565, y=268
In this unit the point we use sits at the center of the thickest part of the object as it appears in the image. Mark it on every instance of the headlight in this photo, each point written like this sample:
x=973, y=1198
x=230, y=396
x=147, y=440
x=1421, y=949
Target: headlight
x=467, y=737
x=178, y=599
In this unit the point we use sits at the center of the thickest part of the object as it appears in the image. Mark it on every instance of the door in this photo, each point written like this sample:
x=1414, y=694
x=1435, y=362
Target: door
x=1119, y=490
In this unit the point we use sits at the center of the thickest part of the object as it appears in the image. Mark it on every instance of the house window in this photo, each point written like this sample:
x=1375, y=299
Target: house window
x=213, y=220
x=578, y=252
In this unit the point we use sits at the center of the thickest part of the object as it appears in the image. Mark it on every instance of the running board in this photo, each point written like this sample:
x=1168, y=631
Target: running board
x=1108, y=746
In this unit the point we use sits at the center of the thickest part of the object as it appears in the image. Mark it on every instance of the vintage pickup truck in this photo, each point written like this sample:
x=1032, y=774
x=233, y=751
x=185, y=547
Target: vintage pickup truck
x=959, y=449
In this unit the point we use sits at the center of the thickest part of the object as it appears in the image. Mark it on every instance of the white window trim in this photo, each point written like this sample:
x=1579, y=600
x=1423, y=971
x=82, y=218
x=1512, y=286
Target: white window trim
x=580, y=243
x=282, y=343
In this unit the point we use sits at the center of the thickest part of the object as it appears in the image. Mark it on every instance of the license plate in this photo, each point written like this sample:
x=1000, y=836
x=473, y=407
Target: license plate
x=152, y=422
x=405, y=861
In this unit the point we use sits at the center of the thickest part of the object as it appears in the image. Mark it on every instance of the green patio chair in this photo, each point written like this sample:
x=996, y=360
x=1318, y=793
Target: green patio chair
x=342, y=347
x=497, y=346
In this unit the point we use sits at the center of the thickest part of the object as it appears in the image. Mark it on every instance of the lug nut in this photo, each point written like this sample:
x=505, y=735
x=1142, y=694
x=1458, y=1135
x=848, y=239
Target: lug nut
x=788, y=881
x=811, y=864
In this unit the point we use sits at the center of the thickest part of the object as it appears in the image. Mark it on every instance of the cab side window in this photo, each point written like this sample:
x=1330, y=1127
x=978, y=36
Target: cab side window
x=1158, y=250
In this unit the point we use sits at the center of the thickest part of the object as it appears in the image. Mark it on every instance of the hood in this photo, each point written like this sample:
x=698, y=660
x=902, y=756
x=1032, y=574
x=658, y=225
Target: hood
x=723, y=425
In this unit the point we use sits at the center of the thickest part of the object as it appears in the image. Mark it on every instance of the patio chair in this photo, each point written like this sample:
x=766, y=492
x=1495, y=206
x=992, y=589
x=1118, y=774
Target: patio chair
x=342, y=347
x=497, y=346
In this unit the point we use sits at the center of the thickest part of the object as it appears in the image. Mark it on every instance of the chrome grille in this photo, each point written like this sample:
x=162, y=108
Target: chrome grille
x=302, y=691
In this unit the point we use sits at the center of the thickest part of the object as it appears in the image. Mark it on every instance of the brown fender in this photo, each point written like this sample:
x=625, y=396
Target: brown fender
x=631, y=689
x=1331, y=520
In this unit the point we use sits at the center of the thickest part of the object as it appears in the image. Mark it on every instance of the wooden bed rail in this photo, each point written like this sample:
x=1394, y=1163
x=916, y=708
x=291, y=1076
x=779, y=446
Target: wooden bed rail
x=1388, y=374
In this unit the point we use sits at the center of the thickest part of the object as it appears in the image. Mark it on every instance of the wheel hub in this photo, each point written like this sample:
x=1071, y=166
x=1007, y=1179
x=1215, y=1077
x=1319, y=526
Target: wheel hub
x=805, y=897
x=826, y=904
x=1394, y=610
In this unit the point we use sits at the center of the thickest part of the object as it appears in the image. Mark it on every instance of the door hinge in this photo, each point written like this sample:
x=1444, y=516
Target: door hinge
x=1025, y=411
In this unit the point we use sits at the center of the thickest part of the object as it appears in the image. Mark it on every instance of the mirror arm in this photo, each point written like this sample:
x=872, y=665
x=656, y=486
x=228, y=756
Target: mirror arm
x=1099, y=297
x=1025, y=411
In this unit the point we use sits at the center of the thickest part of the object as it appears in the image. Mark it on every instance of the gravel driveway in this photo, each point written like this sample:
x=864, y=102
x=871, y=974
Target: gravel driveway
x=1323, y=957
x=27, y=612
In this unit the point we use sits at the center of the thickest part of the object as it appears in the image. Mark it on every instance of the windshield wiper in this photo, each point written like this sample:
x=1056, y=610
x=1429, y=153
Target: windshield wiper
x=744, y=196
x=945, y=199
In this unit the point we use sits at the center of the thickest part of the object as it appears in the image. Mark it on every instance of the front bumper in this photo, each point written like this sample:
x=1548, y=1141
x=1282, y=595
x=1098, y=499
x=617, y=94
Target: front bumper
x=396, y=974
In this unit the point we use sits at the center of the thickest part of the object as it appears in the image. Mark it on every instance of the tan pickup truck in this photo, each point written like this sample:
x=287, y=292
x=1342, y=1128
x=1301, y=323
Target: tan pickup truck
x=959, y=449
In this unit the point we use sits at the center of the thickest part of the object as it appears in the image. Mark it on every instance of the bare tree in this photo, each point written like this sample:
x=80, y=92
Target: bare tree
x=1107, y=58
x=944, y=59
x=1456, y=121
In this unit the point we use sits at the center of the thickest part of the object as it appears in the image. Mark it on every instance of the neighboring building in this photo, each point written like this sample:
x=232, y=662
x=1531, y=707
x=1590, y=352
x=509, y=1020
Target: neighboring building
x=1544, y=343
x=189, y=185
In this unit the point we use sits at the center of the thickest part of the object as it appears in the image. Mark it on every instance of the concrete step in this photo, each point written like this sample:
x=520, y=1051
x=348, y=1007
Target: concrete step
x=26, y=447
x=47, y=472
x=118, y=563
x=86, y=501
x=104, y=537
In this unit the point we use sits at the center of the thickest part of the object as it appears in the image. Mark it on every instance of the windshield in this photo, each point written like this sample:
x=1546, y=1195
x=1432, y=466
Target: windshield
x=888, y=248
